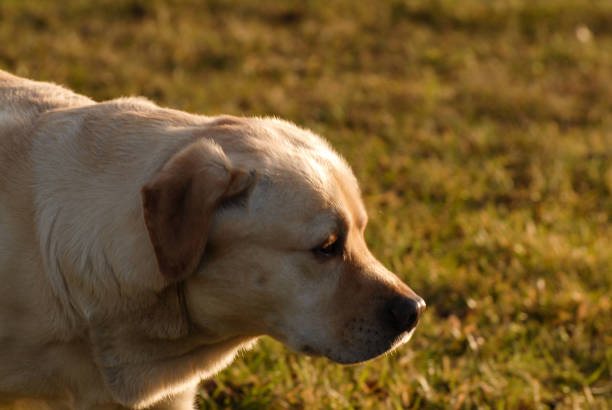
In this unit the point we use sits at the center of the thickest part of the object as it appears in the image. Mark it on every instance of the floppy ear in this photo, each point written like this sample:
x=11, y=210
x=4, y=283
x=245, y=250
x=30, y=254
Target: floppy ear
x=179, y=202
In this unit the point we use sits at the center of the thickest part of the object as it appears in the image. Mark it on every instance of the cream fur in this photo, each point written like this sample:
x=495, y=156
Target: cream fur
x=87, y=320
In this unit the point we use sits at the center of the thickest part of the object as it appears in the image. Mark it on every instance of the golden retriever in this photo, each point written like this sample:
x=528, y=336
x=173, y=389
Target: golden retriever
x=142, y=247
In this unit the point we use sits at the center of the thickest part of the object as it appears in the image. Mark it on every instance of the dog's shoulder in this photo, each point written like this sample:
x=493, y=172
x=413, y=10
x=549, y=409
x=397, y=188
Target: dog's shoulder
x=22, y=102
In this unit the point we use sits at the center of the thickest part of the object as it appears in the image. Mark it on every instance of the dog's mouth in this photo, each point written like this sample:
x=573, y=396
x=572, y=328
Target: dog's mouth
x=351, y=353
x=308, y=350
x=372, y=350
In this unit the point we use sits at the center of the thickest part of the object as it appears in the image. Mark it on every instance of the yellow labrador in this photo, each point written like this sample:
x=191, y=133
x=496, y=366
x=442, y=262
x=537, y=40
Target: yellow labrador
x=142, y=247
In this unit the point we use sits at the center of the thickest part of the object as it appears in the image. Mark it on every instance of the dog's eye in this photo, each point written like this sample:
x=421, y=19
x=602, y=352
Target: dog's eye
x=330, y=248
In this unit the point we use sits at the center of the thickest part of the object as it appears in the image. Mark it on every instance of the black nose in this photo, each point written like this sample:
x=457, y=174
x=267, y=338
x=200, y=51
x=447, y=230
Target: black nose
x=405, y=312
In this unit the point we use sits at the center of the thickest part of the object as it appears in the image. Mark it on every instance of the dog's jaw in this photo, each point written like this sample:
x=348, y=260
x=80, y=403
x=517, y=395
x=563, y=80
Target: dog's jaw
x=354, y=354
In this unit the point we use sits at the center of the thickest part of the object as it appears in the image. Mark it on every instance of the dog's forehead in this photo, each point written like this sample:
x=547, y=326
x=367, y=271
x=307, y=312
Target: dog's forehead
x=314, y=191
x=300, y=174
x=301, y=158
x=350, y=199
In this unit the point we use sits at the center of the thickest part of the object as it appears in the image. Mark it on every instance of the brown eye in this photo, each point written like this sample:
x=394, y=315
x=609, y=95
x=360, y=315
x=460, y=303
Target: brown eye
x=330, y=248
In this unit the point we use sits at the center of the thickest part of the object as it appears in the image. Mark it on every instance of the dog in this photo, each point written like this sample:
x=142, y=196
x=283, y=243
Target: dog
x=142, y=247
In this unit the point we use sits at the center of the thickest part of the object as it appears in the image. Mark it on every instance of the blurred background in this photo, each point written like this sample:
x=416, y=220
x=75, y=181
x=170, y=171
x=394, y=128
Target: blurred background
x=481, y=133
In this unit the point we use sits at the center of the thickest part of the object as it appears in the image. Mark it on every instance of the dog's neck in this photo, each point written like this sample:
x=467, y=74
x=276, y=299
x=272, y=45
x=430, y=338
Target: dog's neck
x=136, y=352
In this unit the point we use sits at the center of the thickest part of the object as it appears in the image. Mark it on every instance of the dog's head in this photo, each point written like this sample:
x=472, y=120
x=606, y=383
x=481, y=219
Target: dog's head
x=266, y=227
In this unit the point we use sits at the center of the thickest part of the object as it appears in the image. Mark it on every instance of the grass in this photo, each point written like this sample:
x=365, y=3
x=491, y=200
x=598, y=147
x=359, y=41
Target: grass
x=481, y=132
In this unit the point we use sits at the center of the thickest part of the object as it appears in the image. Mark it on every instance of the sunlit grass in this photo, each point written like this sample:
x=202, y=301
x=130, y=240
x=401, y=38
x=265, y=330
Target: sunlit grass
x=481, y=133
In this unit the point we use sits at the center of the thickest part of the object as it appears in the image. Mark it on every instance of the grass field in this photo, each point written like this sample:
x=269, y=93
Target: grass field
x=481, y=132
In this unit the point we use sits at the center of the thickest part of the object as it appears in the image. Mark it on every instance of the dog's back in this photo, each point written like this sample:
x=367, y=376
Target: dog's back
x=22, y=100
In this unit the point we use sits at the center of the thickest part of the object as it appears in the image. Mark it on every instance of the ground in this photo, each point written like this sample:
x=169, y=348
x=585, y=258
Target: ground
x=481, y=132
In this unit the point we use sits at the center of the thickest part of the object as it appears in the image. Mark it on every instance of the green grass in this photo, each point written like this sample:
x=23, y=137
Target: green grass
x=481, y=132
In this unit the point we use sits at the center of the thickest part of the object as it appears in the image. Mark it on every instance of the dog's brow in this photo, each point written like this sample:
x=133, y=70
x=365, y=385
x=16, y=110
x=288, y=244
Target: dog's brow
x=362, y=220
x=338, y=226
x=341, y=225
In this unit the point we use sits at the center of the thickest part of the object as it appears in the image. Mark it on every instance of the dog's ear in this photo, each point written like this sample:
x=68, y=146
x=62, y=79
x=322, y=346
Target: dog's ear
x=179, y=202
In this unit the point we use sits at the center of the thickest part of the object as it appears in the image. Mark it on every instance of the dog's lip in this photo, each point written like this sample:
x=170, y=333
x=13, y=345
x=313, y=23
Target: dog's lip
x=393, y=345
x=310, y=351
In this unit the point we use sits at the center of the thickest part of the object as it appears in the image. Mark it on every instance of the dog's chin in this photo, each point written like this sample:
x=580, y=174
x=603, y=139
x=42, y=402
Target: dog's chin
x=354, y=354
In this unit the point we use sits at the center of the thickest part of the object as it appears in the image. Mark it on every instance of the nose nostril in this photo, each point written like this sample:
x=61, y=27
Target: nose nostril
x=405, y=312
